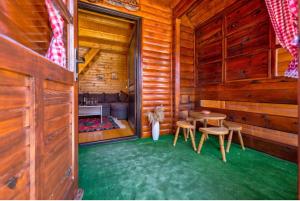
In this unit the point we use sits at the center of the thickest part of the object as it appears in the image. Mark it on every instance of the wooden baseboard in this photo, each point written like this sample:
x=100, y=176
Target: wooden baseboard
x=276, y=149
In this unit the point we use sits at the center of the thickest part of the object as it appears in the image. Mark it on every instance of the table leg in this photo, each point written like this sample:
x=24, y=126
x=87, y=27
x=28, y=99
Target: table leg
x=205, y=126
x=195, y=126
x=221, y=123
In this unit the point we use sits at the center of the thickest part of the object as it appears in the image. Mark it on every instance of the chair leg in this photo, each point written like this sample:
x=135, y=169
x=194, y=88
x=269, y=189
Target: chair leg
x=229, y=141
x=241, y=140
x=176, y=136
x=221, y=141
x=201, y=142
x=185, y=134
x=195, y=127
x=192, y=138
x=205, y=126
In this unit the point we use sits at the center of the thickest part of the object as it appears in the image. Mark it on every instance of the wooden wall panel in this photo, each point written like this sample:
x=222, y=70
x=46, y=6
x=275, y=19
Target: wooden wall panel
x=105, y=64
x=283, y=59
x=26, y=22
x=265, y=120
x=279, y=90
x=156, y=59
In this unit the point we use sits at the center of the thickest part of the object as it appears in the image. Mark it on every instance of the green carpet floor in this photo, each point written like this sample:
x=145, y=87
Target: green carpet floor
x=143, y=169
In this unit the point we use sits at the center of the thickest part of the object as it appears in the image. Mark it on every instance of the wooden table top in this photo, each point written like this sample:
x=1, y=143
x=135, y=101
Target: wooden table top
x=210, y=116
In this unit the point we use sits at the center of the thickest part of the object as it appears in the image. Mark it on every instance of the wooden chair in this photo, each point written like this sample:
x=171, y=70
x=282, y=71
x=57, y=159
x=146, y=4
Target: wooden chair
x=234, y=127
x=187, y=130
x=219, y=131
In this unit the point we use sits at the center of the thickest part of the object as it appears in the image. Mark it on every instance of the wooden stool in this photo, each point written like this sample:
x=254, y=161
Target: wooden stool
x=187, y=130
x=233, y=127
x=194, y=122
x=220, y=131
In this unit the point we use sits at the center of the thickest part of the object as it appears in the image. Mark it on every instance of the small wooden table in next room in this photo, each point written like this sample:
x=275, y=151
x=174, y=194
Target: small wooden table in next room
x=90, y=110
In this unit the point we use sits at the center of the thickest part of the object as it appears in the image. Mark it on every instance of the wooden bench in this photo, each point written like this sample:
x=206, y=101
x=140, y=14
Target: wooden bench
x=219, y=131
x=234, y=127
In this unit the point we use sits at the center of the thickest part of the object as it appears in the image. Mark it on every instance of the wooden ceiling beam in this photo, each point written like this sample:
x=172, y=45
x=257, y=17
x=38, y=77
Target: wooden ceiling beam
x=206, y=9
x=102, y=41
x=103, y=47
x=88, y=58
x=182, y=7
x=85, y=24
x=102, y=35
x=110, y=18
x=186, y=21
x=103, y=20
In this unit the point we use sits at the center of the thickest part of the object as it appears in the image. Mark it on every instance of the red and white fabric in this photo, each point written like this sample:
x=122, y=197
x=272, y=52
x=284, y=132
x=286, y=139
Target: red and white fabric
x=56, y=51
x=284, y=17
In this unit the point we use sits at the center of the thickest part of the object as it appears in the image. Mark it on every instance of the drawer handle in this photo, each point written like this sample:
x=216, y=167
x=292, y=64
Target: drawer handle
x=68, y=172
x=12, y=182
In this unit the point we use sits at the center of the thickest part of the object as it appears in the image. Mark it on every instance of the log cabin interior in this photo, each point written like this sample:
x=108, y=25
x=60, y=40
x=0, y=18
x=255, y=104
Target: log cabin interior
x=108, y=47
x=222, y=70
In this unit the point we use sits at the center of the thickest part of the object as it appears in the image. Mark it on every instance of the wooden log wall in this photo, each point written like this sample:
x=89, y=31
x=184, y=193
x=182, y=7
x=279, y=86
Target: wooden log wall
x=156, y=59
x=98, y=77
x=235, y=65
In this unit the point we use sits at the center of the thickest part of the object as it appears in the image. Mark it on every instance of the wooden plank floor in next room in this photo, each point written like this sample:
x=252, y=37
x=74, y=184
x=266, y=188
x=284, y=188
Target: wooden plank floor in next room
x=96, y=136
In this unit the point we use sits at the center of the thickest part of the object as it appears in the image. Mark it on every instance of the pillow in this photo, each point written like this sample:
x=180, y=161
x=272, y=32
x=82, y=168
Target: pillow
x=81, y=99
x=123, y=96
x=101, y=98
x=111, y=98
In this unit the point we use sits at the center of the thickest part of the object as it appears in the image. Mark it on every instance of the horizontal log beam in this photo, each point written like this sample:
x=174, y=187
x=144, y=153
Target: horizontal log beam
x=275, y=122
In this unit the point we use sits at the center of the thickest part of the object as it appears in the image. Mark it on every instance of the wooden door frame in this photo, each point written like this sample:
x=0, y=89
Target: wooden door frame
x=138, y=66
x=298, y=97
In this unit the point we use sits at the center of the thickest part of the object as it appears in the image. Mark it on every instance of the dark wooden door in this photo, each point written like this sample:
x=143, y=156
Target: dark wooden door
x=132, y=62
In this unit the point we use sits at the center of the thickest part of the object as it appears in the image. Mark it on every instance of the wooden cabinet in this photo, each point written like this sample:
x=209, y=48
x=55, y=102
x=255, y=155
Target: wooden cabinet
x=247, y=42
x=37, y=126
x=209, y=52
x=235, y=45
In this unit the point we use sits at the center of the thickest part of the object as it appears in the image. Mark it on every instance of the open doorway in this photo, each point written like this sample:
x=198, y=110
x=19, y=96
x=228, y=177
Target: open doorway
x=109, y=74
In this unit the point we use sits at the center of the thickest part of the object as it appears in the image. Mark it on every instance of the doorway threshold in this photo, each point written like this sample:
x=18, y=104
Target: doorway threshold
x=129, y=138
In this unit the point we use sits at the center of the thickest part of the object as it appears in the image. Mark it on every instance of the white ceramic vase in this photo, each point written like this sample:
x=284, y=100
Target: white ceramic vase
x=155, y=131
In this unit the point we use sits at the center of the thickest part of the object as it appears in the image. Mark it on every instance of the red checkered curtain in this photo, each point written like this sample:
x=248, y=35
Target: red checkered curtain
x=284, y=17
x=56, y=51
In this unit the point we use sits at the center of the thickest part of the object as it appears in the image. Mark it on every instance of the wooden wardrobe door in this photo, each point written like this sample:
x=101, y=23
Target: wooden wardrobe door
x=37, y=136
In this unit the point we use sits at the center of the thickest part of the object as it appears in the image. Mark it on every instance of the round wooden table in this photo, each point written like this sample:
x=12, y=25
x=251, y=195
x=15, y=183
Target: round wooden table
x=199, y=116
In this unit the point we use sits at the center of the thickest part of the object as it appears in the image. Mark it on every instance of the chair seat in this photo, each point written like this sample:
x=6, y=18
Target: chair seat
x=189, y=119
x=184, y=124
x=215, y=130
x=233, y=126
x=194, y=119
